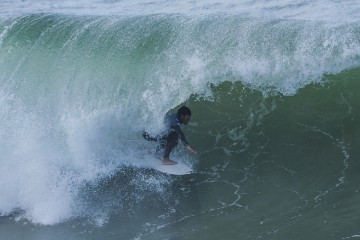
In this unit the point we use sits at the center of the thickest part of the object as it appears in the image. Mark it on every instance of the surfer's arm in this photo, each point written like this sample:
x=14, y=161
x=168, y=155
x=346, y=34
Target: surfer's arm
x=191, y=149
x=183, y=139
x=181, y=134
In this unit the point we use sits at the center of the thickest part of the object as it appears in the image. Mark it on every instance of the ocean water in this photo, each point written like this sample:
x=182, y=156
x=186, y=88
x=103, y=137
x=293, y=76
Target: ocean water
x=275, y=94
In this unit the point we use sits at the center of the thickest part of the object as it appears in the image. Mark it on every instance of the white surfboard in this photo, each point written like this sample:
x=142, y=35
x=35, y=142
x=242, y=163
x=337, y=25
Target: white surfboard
x=176, y=169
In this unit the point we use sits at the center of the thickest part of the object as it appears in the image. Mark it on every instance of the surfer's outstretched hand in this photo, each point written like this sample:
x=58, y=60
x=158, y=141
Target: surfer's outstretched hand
x=190, y=149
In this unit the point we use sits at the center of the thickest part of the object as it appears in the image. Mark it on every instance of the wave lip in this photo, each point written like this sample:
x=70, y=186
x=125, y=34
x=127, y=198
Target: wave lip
x=280, y=55
x=328, y=10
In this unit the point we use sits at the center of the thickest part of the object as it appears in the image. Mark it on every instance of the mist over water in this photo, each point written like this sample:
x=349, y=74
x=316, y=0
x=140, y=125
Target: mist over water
x=273, y=87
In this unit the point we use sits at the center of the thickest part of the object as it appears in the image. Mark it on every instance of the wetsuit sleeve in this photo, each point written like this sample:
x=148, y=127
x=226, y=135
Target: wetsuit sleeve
x=181, y=134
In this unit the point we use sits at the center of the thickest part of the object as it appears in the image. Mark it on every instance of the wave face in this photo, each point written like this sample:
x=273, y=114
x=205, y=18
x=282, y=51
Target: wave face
x=274, y=100
x=318, y=10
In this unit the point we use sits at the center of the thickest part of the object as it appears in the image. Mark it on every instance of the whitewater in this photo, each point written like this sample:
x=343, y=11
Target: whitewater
x=274, y=91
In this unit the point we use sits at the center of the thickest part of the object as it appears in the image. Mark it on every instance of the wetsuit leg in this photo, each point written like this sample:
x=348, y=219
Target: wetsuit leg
x=148, y=137
x=171, y=142
x=161, y=147
x=167, y=142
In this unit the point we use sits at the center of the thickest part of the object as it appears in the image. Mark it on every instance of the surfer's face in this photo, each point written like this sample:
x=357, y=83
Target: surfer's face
x=185, y=119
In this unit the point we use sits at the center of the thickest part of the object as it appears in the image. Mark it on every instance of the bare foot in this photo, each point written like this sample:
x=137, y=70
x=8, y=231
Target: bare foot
x=167, y=161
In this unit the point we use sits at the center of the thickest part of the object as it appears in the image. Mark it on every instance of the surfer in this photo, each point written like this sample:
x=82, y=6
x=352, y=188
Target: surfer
x=169, y=139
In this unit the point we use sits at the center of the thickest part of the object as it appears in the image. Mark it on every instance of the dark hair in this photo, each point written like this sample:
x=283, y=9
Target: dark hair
x=183, y=111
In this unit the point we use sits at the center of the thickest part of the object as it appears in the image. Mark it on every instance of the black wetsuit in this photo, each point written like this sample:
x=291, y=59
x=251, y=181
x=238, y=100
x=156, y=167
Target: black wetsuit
x=169, y=139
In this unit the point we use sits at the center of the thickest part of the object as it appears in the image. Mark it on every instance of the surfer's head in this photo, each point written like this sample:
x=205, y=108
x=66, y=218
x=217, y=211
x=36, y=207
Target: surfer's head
x=184, y=115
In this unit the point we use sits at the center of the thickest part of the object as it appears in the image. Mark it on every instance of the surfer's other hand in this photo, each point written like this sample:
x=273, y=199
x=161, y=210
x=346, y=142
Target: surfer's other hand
x=190, y=149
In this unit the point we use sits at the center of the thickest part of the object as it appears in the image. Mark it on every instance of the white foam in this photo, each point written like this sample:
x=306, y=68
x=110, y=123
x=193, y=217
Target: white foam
x=43, y=167
x=30, y=179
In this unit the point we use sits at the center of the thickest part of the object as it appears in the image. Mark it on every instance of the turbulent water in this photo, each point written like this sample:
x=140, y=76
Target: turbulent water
x=275, y=95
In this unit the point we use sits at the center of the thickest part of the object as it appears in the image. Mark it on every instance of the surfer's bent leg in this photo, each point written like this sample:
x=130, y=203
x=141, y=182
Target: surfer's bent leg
x=148, y=137
x=167, y=143
x=171, y=142
x=162, y=139
x=161, y=147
